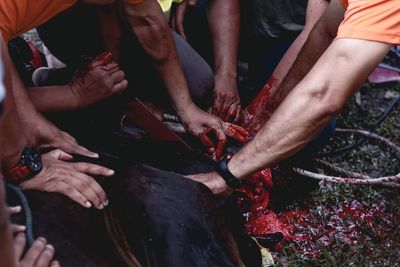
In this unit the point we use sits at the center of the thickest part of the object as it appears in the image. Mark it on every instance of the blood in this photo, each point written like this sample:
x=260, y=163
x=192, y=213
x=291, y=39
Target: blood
x=262, y=99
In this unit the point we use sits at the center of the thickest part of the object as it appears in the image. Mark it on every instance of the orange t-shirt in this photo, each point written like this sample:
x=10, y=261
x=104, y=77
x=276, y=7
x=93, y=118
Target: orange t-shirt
x=374, y=20
x=19, y=16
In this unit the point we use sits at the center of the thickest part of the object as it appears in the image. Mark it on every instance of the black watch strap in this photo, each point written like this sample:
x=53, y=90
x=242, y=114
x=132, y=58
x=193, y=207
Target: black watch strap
x=222, y=169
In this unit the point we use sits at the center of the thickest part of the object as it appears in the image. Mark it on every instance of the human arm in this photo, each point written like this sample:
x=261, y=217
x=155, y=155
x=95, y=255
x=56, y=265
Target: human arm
x=37, y=130
x=151, y=29
x=317, y=42
x=315, y=9
x=308, y=108
x=90, y=87
x=224, y=22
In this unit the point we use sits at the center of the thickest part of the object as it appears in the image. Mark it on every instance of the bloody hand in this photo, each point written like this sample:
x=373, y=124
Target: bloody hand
x=226, y=104
x=236, y=132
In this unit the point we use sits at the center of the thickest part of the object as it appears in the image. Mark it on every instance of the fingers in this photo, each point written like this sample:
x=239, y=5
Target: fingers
x=101, y=60
x=34, y=251
x=238, y=115
x=206, y=141
x=72, y=193
x=13, y=210
x=15, y=228
x=221, y=141
x=120, y=86
x=117, y=76
x=179, y=20
x=111, y=68
x=78, y=149
x=55, y=264
x=45, y=257
x=120, y=83
x=236, y=132
x=231, y=113
x=92, y=169
x=70, y=145
x=90, y=189
x=240, y=130
x=19, y=245
x=192, y=2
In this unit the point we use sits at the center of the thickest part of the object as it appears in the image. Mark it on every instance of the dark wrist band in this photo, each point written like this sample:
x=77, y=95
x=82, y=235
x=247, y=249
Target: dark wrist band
x=222, y=169
x=30, y=164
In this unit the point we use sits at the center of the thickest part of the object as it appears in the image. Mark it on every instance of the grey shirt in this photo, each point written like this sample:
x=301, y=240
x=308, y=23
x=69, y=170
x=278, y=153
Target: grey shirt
x=273, y=18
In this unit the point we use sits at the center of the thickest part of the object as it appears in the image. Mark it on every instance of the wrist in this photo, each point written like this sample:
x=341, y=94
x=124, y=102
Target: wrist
x=72, y=93
x=225, y=75
x=185, y=108
x=223, y=170
x=29, y=165
x=234, y=168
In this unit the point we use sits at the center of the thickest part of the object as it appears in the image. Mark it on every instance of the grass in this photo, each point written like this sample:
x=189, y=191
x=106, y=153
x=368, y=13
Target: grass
x=353, y=240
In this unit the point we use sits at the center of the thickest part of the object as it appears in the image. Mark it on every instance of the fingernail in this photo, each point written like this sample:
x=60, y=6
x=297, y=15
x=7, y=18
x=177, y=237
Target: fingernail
x=95, y=155
x=111, y=172
x=88, y=204
x=22, y=227
x=101, y=207
x=42, y=239
x=106, y=203
x=17, y=208
x=50, y=247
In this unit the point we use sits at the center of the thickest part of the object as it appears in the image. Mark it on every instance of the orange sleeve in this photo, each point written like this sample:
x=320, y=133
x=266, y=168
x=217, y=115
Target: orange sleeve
x=373, y=20
x=134, y=1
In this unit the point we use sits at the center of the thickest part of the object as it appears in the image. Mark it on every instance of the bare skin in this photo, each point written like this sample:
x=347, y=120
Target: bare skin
x=11, y=251
x=278, y=90
x=151, y=28
x=37, y=130
x=58, y=175
x=96, y=84
x=316, y=99
x=224, y=22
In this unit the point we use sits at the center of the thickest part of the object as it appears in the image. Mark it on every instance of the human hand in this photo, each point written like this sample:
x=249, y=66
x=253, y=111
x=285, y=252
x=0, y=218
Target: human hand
x=178, y=16
x=41, y=132
x=40, y=254
x=201, y=124
x=100, y=79
x=70, y=179
x=213, y=181
x=226, y=103
x=15, y=228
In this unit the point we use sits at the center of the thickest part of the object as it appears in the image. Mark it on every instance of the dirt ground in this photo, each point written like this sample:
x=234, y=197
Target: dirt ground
x=353, y=225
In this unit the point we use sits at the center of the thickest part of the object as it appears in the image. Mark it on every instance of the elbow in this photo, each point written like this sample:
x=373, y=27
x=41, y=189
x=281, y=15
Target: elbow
x=327, y=103
x=154, y=36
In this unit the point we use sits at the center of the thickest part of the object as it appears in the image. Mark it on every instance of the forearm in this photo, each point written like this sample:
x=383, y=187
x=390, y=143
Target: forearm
x=224, y=21
x=151, y=29
x=315, y=9
x=320, y=37
x=311, y=105
x=53, y=98
x=12, y=138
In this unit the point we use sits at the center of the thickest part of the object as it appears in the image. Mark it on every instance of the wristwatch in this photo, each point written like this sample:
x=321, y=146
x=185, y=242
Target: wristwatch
x=222, y=169
x=29, y=164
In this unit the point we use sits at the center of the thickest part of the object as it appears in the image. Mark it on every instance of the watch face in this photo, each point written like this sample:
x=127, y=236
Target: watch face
x=32, y=159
